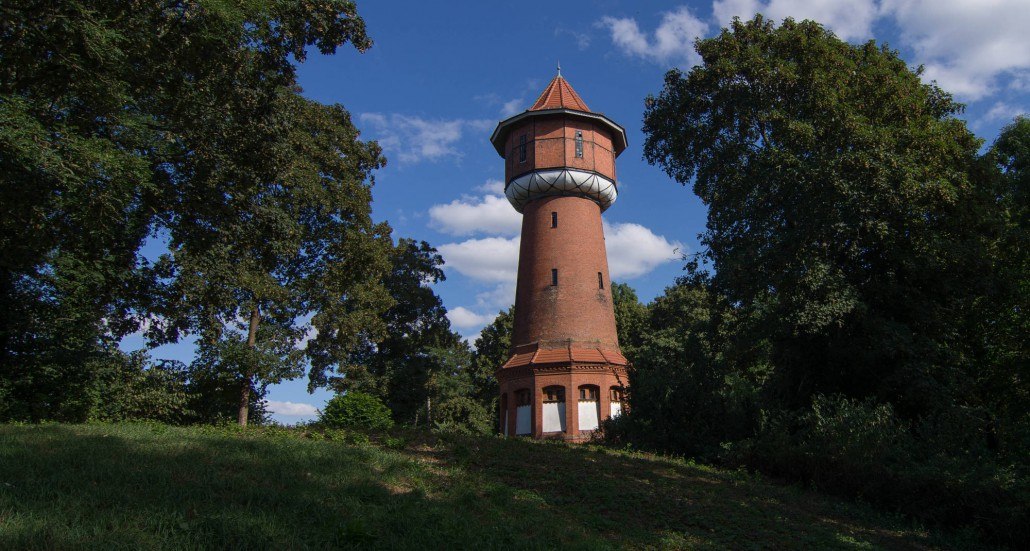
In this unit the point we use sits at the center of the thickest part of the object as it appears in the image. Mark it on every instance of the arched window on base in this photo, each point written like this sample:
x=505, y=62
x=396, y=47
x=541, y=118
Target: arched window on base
x=523, y=412
x=554, y=409
x=589, y=407
x=616, y=398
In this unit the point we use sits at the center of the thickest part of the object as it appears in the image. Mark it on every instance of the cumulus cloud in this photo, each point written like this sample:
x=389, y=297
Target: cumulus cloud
x=464, y=318
x=634, y=250
x=1002, y=111
x=967, y=47
x=489, y=214
x=672, y=42
x=852, y=20
x=412, y=139
x=291, y=409
x=491, y=259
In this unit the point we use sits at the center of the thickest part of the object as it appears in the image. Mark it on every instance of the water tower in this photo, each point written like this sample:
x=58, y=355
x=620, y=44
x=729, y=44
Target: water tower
x=566, y=372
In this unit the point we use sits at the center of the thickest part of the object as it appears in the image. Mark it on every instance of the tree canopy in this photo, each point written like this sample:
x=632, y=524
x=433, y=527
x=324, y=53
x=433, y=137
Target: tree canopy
x=177, y=121
x=847, y=207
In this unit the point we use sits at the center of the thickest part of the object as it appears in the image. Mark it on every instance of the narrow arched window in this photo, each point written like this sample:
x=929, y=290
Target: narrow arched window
x=579, y=144
x=600, y=280
x=554, y=219
x=522, y=148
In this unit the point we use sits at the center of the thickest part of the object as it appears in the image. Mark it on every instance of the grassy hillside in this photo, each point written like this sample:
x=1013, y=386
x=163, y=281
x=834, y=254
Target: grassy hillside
x=153, y=486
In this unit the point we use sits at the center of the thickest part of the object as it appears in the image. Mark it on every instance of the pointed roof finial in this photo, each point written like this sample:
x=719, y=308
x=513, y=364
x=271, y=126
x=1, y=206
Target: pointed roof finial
x=559, y=67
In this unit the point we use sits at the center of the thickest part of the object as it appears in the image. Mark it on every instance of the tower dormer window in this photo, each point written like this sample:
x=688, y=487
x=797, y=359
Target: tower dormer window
x=579, y=144
x=522, y=148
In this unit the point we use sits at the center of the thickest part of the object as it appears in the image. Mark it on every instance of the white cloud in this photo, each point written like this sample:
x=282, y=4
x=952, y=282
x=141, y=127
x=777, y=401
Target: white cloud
x=413, y=139
x=489, y=214
x=512, y=107
x=491, y=259
x=672, y=42
x=494, y=187
x=464, y=318
x=291, y=409
x=501, y=296
x=1002, y=111
x=967, y=46
x=634, y=250
x=851, y=20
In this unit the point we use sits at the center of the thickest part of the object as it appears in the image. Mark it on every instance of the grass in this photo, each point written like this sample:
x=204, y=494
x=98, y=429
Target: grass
x=158, y=487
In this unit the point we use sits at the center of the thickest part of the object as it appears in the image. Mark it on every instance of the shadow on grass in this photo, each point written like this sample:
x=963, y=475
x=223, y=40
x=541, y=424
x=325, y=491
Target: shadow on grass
x=150, y=486
x=646, y=501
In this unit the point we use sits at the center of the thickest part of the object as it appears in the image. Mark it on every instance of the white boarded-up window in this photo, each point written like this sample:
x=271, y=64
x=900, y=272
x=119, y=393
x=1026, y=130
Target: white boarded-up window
x=589, y=408
x=554, y=409
x=522, y=418
x=523, y=412
x=616, y=396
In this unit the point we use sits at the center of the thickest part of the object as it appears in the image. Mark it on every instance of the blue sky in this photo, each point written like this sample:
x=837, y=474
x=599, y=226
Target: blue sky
x=442, y=74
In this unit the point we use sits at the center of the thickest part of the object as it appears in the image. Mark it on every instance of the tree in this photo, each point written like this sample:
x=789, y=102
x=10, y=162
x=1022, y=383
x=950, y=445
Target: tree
x=493, y=349
x=294, y=239
x=117, y=123
x=846, y=209
x=630, y=318
x=415, y=363
x=1004, y=323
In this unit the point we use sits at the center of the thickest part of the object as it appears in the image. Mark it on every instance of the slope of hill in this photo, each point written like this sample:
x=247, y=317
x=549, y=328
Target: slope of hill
x=154, y=486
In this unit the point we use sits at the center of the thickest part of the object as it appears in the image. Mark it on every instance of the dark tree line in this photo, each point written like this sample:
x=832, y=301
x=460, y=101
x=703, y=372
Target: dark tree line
x=856, y=317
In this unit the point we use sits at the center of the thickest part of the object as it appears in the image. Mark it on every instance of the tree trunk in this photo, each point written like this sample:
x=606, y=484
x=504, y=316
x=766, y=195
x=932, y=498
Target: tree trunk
x=255, y=318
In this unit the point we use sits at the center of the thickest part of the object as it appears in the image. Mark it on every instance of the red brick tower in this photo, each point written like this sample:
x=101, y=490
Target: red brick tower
x=566, y=372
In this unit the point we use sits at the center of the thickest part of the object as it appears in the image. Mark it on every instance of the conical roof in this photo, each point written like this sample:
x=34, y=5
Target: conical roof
x=559, y=98
x=559, y=95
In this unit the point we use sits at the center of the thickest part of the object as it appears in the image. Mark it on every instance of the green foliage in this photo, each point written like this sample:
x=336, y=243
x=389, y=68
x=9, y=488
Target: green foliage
x=862, y=325
x=130, y=387
x=117, y=124
x=863, y=449
x=846, y=209
x=356, y=410
x=420, y=362
x=493, y=348
x=630, y=317
x=463, y=415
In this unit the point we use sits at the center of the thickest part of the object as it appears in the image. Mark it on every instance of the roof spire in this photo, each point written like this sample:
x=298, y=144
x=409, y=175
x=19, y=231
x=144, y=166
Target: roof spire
x=559, y=67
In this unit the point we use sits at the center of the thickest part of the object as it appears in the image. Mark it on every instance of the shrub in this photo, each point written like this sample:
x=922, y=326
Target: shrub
x=464, y=416
x=938, y=471
x=356, y=410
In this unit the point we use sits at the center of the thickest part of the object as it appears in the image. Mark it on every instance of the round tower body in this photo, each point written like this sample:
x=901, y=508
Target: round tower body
x=565, y=373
